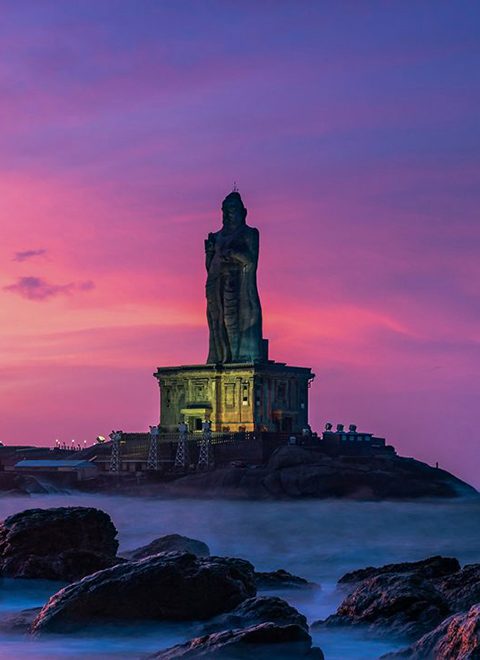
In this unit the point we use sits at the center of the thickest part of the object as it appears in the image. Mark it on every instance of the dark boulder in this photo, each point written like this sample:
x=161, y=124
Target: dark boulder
x=169, y=543
x=253, y=611
x=169, y=586
x=432, y=567
x=456, y=638
x=266, y=641
x=65, y=543
x=396, y=605
x=407, y=599
x=281, y=579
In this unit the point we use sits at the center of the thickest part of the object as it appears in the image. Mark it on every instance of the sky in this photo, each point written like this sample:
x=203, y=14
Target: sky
x=351, y=129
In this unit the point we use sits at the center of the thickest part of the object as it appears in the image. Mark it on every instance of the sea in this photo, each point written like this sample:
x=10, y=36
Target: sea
x=316, y=539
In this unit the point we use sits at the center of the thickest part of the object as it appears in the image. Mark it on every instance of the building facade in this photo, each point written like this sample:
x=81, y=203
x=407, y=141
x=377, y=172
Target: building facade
x=269, y=396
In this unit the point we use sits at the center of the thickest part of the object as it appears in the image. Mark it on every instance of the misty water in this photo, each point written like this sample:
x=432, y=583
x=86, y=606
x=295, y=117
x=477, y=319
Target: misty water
x=318, y=540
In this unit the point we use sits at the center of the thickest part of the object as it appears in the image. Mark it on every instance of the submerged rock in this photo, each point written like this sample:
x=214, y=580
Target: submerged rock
x=169, y=543
x=169, y=586
x=64, y=543
x=262, y=609
x=281, y=579
x=266, y=641
x=457, y=638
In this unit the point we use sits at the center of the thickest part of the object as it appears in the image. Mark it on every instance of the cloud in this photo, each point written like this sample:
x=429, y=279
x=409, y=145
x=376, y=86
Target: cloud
x=28, y=254
x=88, y=285
x=36, y=288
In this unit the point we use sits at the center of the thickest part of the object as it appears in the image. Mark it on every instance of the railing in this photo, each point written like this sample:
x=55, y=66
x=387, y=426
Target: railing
x=224, y=448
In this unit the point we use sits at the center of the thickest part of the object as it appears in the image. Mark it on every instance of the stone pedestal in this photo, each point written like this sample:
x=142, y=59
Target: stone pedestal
x=268, y=396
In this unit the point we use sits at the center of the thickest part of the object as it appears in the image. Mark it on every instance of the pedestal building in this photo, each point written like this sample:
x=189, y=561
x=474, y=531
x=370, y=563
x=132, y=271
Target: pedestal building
x=239, y=388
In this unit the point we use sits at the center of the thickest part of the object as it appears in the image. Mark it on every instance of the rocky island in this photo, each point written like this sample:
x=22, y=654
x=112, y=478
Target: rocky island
x=296, y=472
x=236, y=426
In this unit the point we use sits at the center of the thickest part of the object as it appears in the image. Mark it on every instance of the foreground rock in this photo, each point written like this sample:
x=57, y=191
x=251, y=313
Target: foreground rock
x=65, y=543
x=253, y=611
x=266, y=641
x=407, y=600
x=459, y=586
x=457, y=638
x=169, y=543
x=175, y=586
x=296, y=472
x=400, y=606
x=281, y=579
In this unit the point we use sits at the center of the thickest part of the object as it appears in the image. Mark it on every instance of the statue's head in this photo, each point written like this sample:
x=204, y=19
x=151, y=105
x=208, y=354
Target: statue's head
x=234, y=212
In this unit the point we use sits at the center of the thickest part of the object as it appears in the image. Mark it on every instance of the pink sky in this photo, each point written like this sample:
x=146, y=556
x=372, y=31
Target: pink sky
x=353, y=135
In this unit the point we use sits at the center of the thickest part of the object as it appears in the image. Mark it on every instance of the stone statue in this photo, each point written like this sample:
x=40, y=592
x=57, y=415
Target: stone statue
x=233, y=305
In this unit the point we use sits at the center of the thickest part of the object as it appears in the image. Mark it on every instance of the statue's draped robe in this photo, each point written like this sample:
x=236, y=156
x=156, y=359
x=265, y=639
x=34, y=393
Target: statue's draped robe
x=233, y=304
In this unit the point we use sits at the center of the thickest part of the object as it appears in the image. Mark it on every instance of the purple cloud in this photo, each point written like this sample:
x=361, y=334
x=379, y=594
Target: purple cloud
x=28, y=254
x=36, y=288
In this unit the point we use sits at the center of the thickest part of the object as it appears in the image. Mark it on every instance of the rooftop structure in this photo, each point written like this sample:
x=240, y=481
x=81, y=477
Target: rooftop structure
x=82, y=469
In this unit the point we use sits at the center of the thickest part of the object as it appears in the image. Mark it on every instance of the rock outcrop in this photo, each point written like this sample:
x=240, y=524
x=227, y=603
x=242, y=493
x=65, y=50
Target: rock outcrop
x=433, y=567
x=169, y=543
x=296, y=472
x=263, y=642
x=461, y=589
x=65, y=543
x=18, y=622
x=13, y=483
x=169, y=586
x=403, y=606
x=457, y=638
x=281, y=579
x=253, y=611
x=406, y=600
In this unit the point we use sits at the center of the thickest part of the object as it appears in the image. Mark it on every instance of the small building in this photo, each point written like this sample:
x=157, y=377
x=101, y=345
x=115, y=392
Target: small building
x=80, y=468
x=354, y=441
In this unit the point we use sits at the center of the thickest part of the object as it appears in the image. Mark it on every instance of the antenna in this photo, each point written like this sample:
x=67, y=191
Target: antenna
x=235, y=187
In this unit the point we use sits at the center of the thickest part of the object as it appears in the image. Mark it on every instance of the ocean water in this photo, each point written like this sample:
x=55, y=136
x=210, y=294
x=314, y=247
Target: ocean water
x=319, y=540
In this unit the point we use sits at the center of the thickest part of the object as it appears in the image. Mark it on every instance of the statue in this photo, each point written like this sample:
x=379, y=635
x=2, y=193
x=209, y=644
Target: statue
x=233, y=305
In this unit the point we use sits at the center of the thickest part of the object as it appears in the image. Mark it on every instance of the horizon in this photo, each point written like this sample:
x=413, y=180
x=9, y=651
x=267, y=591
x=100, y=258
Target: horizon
x=353, y=136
